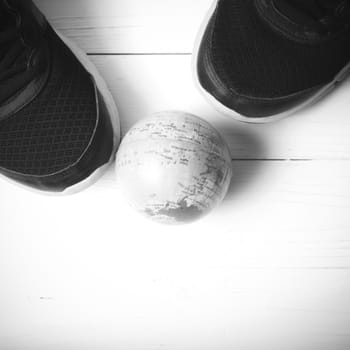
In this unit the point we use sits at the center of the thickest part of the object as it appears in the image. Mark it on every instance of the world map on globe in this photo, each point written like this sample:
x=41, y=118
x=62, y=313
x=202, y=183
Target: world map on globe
x=174, y=167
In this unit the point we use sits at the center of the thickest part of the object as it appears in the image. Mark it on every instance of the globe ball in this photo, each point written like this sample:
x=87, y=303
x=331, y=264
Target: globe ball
x=173, y=167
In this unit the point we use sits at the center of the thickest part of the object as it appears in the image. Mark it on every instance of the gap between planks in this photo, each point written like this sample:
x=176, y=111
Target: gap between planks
x=140, y=54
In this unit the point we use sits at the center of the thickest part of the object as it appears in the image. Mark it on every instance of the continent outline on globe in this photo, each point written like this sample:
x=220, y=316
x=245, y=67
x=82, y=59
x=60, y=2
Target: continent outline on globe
x=174, y=167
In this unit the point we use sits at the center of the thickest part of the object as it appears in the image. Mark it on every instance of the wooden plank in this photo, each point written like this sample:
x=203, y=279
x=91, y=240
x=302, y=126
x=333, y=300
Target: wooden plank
x=132, y=26
x=268, y=269
x=86, y=272
x=316, y=133
x=285, y=201
x=143, y=85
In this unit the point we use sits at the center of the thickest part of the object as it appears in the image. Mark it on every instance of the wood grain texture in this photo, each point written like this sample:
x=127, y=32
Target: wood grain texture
x=128, y=26
x=143, y=85
x=268, y=270
x=138, y=83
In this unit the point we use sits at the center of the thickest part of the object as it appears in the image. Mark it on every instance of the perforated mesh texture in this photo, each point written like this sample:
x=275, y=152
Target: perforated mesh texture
x=52, y=132
x=254, y=60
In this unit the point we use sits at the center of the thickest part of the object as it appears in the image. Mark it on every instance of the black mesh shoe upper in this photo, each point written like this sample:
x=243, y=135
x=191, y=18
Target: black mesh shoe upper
x=252, y=53
x=54, y=126
x=52, y=131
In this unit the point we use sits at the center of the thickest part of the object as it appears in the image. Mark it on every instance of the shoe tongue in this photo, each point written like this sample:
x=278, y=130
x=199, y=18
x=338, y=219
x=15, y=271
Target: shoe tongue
x=306, y=11
x=31, y=20
x=17, y=44
x=7, y=20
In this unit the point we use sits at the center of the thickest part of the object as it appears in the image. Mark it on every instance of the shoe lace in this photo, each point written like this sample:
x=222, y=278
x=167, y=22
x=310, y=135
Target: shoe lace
x=14, y=53
x=329, y=15
x=13, y=60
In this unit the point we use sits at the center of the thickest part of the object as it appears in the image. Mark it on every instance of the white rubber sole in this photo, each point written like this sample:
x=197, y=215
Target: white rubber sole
x=114, y=118
x=231, y=113
x=112, y=112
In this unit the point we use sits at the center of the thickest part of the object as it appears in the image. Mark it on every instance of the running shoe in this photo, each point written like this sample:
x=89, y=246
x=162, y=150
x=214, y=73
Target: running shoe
x=261, y=60
x=59, y=127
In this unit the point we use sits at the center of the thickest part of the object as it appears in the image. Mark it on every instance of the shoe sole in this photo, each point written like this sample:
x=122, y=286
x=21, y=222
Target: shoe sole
x=342, y=75
x=112, y=112
x=113, y=116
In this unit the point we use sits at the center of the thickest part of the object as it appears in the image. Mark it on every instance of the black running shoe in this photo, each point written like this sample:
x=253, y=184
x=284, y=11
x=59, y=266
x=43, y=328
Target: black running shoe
x=260, y=60
x=59, y=125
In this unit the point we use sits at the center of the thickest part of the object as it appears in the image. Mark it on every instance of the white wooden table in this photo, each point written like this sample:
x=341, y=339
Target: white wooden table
x=270, y=269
